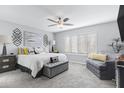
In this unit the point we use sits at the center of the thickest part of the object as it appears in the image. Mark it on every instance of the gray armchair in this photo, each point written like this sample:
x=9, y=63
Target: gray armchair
x=103, y=70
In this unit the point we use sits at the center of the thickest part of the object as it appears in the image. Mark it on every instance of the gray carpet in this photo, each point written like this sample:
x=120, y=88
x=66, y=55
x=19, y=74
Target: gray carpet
x=78, y=76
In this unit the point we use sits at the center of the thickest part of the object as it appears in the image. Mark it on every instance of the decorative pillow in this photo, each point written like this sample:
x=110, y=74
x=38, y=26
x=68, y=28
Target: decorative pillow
x=121, y=57
x=91, y=55
x=38, y=50
x=20, y=51
x=46, y=50
x=100, y=57
x=31, y=51
x=54, y=59
x=25, y=51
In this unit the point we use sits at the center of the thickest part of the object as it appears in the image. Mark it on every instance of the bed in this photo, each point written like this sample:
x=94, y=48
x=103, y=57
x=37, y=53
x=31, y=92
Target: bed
x=34, y=63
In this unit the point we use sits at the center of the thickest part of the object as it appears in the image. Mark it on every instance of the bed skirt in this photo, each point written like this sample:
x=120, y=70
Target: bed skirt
x=25, y=69
x=41, y=72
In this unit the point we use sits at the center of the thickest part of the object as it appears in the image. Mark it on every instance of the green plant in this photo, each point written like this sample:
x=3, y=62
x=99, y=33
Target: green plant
x=116, y=45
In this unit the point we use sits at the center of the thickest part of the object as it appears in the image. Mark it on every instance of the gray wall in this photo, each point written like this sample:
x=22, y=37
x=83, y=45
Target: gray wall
x=6, y=28
x=105, y=33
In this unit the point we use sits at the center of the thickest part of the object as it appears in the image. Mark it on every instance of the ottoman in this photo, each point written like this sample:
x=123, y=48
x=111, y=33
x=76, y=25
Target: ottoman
x=52, y=69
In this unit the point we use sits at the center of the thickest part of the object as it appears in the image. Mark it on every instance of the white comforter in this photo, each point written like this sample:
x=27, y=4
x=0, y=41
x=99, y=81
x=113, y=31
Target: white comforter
x=36, y=62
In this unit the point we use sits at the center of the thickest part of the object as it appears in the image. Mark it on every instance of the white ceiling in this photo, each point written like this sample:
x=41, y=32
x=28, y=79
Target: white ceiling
x=36, y=16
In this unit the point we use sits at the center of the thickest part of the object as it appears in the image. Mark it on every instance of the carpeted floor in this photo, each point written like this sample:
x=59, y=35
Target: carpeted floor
x=78, y=76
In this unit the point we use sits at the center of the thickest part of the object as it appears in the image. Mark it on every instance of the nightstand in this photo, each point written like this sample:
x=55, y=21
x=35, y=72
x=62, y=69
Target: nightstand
x=7, y=63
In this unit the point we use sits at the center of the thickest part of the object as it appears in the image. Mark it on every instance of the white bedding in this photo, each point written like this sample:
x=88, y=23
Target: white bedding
x=36, y=62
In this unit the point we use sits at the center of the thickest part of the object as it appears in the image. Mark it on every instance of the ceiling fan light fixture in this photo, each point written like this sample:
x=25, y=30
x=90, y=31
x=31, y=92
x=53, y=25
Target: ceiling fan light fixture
x=60, y=25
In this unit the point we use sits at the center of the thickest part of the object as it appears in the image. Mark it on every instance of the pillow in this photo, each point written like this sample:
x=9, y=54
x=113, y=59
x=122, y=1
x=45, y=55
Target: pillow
x=54, y=59
x=38, y=50
x=46, y=50
x=20, y=51
x=100, y=57
x=25, y=51
x=121, y=57
x=91, y=55
x=31, y=51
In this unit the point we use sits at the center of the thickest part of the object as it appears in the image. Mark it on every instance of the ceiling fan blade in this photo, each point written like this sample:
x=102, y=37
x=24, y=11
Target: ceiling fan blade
x=67, y=24
x=59, y=18
x=52, y=20
x=52, y=25
x=65, y=19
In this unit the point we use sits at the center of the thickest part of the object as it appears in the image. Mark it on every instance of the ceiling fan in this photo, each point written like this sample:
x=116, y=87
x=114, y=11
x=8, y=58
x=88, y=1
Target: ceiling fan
x=59, y=22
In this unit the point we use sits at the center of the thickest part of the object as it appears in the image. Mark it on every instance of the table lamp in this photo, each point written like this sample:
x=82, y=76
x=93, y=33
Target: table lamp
x=5, y=40
x=53, y=45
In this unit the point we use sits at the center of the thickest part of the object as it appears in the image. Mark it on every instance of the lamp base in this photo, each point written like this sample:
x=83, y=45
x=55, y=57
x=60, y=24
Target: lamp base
x=52, y=48
x=4, y=50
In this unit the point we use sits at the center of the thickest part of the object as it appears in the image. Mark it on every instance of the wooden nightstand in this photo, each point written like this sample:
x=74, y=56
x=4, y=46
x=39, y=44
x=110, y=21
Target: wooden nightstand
x=7, y=63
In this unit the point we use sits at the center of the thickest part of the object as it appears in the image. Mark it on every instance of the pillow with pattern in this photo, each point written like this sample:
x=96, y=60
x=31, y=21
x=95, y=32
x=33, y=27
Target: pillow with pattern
x=54, y=59
x=38, y=50
x=31, y=51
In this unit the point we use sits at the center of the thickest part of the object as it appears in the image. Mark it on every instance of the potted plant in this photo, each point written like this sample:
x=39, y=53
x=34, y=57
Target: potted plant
x=116, y=45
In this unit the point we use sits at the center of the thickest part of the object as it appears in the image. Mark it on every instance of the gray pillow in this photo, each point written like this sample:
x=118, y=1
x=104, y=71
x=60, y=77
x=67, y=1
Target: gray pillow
x=54, y=59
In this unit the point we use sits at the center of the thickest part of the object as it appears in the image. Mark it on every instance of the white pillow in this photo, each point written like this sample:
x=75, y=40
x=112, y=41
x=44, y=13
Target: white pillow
x=39, y=50
x=31, y=50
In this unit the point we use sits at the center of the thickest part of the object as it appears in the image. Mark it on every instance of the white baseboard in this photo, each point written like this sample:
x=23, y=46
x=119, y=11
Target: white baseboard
x=79, y=62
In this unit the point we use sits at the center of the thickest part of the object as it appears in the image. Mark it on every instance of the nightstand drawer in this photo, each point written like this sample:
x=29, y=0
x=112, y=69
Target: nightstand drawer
x=7, y=63
x=6, y=67
x=7, y=59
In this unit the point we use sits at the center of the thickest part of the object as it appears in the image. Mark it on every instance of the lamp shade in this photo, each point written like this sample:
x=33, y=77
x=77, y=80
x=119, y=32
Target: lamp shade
x=53, y=42
x=5, y=39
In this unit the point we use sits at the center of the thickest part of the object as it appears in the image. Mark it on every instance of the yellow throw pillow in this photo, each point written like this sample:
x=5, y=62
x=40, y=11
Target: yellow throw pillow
x=25, y=51
x=101, y=57
x=91, y=55
x=19, y=51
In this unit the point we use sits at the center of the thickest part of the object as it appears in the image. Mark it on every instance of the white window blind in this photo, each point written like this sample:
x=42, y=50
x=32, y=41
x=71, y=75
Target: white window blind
x=92, y=43
x=83, y=43
x=67, y=44
x=74, y=44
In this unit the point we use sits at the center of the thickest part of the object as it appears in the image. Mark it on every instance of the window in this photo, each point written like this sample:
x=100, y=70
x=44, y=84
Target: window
x=67, y=45
x=83, y=43
x=74, y=44
x=92, y=43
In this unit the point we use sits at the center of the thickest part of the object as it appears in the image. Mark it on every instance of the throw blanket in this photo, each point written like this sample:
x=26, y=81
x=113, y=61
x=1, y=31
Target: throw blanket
x=36, y=62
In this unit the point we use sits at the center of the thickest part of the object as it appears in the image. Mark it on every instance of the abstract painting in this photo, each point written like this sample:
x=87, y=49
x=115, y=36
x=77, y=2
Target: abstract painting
x=17, y=37
x=32, y=39
x=45, y=40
